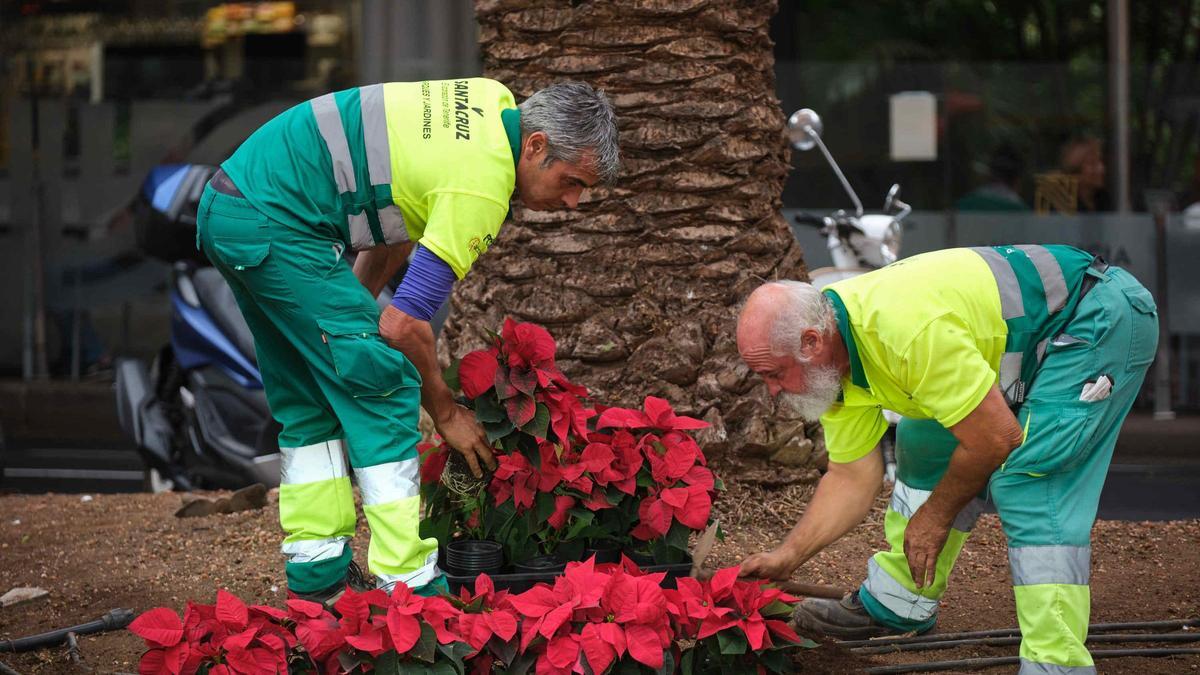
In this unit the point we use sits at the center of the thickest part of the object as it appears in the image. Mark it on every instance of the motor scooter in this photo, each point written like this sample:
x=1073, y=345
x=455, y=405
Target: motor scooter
x=858, y=242
x=197, y=414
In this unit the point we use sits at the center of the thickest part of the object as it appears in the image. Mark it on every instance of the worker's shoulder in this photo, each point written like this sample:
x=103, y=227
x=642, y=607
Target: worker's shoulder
x=896, y=303
x=919, y=279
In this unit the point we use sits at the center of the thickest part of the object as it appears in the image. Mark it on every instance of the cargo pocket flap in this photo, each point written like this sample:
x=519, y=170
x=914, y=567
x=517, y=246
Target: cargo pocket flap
x=349, y=323
x=241, y=253
x=1141, y=300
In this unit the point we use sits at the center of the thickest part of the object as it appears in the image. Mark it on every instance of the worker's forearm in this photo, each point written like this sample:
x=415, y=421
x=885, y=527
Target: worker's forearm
x=375, y=266
x=414, y=338
x=843, y=498
x=966, y=476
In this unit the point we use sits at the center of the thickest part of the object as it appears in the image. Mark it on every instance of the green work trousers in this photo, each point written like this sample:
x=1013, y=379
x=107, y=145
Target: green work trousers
x=1047, y=491
x=338, y=390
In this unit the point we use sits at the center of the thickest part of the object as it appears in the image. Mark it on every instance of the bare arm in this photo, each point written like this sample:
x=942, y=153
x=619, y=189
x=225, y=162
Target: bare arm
x=414, y=338
x=375, y=266
x=842, y=500
x=986, y=436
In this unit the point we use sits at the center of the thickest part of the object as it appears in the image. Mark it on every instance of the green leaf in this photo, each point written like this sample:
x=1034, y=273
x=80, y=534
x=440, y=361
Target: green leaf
x=777, y=608
x=677, y=536
x=388, y=663
x=505, y=651
x=450, y=375
x=457, y=652
x=626, y=666
x=497, y=430
x=581, y=521
x=351, y=662
x=440, y=527
x=776, y=660
x=668, y=666
x=686, y=663
x=806, y=643
x=488, y=409
x=524, y=663
x=510, y=443
x=426, y=647
x=543, y=506
x=732, y=641
x=539, y=426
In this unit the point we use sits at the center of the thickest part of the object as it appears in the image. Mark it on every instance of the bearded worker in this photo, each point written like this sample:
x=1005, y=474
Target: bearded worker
x=1030, y=357
x=378, y=169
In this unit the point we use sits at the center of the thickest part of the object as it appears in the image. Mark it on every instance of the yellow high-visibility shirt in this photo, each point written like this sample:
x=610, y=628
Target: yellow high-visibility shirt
x=925, y=336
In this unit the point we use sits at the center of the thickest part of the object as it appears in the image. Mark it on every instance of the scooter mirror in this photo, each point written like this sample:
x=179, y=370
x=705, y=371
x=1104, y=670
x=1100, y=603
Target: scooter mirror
x=891, y=198
x=803, y=125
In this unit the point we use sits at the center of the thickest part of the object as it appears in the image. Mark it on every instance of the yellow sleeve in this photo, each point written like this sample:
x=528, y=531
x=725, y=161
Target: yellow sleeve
x=852, y=431
x=944, y=372
x=461, y=226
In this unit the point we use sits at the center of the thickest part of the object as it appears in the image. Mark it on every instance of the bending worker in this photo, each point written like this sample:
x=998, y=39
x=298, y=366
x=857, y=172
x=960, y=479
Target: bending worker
x=378, y=169
x=1030, y=357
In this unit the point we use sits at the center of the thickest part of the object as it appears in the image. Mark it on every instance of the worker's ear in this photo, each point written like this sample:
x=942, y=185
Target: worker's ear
x=535, y=146
x=812, y=343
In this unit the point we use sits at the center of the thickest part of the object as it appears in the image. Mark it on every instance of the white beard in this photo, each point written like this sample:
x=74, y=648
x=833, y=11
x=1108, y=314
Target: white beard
x=823, y=386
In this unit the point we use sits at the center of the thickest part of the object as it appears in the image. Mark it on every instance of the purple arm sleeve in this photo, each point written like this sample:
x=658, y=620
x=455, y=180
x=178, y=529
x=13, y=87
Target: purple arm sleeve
x=426, y=285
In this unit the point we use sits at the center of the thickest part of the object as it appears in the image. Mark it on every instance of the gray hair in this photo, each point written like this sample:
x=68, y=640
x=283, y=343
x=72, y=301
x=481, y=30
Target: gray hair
x=576, y=119
x=803, y=306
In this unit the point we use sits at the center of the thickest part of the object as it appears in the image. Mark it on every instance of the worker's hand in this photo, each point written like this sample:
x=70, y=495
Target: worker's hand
x=924, y=538
x=463, y=433
x=775, y=565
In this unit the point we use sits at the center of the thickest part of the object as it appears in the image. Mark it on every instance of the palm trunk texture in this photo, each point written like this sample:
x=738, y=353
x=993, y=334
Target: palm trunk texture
x=641, y=286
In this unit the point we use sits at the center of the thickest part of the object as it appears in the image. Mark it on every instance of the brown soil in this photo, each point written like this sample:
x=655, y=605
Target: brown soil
x=130, y=551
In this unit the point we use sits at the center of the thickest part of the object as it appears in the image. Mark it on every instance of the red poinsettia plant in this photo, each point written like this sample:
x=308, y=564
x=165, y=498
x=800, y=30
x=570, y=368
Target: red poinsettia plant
x=515, y=386
x=594, y=618
x=569, y=477
x=222, y=639
x=738, y=626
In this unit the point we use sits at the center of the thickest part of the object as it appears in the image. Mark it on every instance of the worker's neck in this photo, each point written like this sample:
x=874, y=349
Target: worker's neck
x=841, y=357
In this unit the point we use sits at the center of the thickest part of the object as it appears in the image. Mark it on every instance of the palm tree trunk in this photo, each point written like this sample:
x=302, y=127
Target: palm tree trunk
x=641, y=285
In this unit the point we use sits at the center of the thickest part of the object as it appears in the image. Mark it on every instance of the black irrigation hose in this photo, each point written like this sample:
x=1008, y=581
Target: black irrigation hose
x=1016, y=639
x=975, y=664
x=1005, y=632
x=5, y=670
x=114, y=619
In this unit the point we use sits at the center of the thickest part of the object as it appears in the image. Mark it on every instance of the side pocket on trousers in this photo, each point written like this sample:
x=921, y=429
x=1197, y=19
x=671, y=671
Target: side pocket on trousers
x=367, y=365
x=1058, y=436
x=239, y=254
x=1143, y=334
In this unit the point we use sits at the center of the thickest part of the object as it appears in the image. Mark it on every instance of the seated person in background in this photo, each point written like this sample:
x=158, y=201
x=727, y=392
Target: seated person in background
x=1083, y=158
x=999, y=193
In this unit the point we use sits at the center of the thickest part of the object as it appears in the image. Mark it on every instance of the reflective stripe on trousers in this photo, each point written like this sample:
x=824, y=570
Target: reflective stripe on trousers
x=1033, y=668
x=889, y=580
x=391, y=500
x=306, y=465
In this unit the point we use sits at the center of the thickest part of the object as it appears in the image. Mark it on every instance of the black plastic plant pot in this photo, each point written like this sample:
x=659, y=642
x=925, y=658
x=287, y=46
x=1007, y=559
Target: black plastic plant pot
x=603, y=554
x=543, y=564
x=640, y=559
x=474, y=556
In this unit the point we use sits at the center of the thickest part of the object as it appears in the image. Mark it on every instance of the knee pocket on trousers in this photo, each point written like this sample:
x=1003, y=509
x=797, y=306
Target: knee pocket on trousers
x=1059, y=435
x=367, y=365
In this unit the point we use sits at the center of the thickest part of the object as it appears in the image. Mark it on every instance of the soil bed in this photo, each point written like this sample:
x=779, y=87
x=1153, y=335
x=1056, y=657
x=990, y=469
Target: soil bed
x=129, y=551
